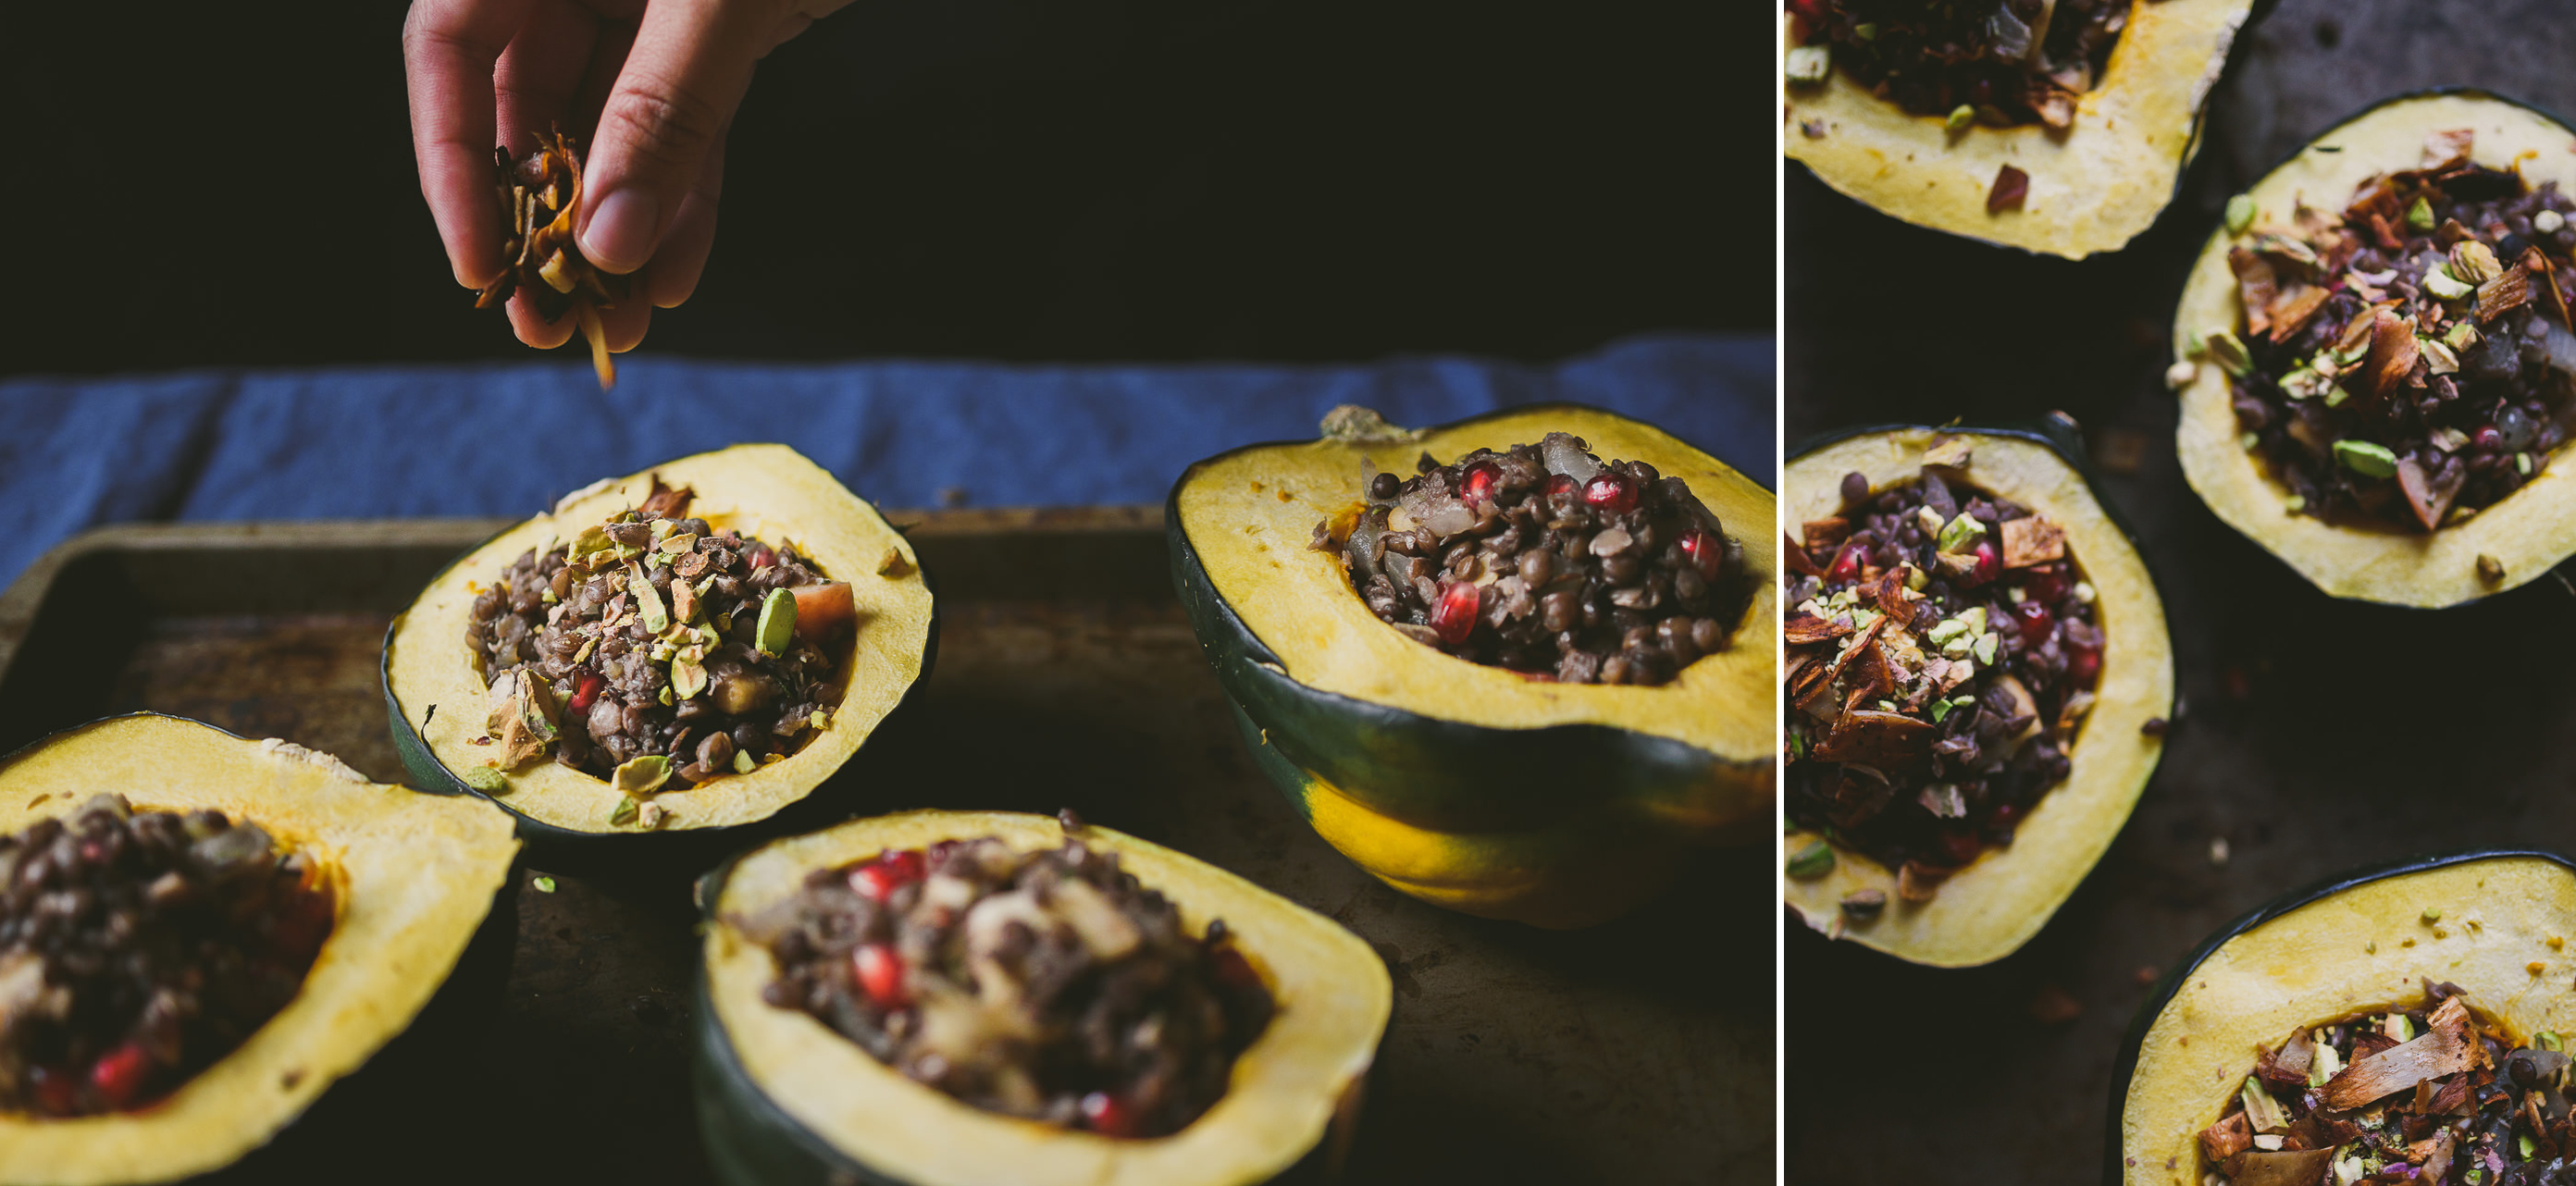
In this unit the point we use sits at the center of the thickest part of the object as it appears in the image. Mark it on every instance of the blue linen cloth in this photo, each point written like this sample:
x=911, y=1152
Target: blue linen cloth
x=504, y=440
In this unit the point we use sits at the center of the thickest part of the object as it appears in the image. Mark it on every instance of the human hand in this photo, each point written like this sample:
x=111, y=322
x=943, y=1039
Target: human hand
x=659, y=82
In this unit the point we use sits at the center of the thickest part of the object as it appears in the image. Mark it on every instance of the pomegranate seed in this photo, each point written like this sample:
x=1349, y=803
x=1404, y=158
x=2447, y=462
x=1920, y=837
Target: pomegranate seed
x=56, y=1091
x=2003, y=815
x=119, y=1075
x=1233, y=969
x=2045, y=585
x=1560, y=483
x=1988, y=564
x=2036, y=621
x=1104, y=1113
x=1478, y=489
x=1611, y=492
x=880, y=972
x=2488, y=438
x=1455, y=617
x=763, y=558
x=1847, y=563
x=585, y=689
x=1705, y=553
x=2082, y=664
x=1959, y=846
x=880, y=878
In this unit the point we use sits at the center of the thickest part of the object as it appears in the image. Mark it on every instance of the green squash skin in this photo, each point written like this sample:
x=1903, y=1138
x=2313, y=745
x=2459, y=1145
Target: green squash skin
x=1433, y=773
x=694, y=846
x=2124, y=1067
x=751, y=1141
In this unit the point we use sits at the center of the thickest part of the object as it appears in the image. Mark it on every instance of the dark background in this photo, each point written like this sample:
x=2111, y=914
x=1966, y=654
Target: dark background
x=1088, y=179
x=2314, y=735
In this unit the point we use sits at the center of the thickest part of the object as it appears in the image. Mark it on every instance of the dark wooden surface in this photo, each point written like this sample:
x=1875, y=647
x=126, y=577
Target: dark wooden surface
x=1636, y=1052
x=2316, y=735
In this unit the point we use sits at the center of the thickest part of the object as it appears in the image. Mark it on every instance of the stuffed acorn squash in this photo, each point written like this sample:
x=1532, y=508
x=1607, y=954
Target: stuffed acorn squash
x=401, y=880
x=695, y=647
x=2243, y=1065
x=817, y=1064
x=1978, y=683
x=2083, y=170
x=1457, y=732
x=2377, y=347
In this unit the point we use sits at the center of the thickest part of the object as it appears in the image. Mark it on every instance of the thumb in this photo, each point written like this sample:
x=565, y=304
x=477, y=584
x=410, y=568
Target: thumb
x=678, y=89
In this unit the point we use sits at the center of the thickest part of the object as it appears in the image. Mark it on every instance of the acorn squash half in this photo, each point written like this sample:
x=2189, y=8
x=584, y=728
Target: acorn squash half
x=2093, y=187
x=2359, y=943
x=784, y=1100
x=414, y=875
x=1988, y=910
x=434, y=686
x=2528, y=532
x=1461, y=784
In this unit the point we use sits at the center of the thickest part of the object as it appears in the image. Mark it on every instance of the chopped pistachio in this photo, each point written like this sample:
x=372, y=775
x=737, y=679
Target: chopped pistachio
x=2240, y=213
x=1940, y=711
x=2335, y=395
x=2084, y=592
x=2438, y=358
x=1975, y=617
x=2432, y=914
x=2229, y=353
x=2522, y=464
x=1960, y=117
x=822, y=718
x=1809, y=64
x=1986, y=649
x=1945, y=630
x=2420, y=215
x=2549, y=1040
x=642, y=776
x=1928, y=519
x=678, y=545
x=1815, y=860
x=2248, y=440
x=742, y=763
x=2180, y=374
x=625, y=812
x=2295, y=503
x=688, y=676
x=545, y=885
x=584, y=652
x=2367, y=458
x=2439, y=281
x=2474, y=262
x=665, y=697
x=2547, y=222
x=484, y=778
x=648, y=600
x=2460, y=336
x=2262, y=1112
x=777, y=622
x=1960, y=533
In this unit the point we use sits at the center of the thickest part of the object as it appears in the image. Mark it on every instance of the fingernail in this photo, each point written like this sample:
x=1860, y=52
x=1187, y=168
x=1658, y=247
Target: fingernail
x=620, y=235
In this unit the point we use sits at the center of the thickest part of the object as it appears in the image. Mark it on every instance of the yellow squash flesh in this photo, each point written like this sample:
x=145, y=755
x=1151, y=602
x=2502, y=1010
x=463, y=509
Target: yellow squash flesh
x=1333, y=994
x=1989, y=909
x=2093, y=187
x=1250, y=514
x=414, y=873
x=2528, y=532
x=770, y=492
x=2364, y=949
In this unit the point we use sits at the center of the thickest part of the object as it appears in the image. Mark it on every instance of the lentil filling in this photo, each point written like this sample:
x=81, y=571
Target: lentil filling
x=1046, y=985
x=139, y=947
x=2405, y=362
x=2432, y=1096
x=2000, y=63
x=655, y=647
x=1546, y=561
x=1942, y=653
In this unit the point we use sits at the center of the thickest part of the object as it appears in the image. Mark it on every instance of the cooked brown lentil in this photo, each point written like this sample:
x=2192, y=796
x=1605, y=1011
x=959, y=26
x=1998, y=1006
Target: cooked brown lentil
x=698, y=688
x=1998, y=62
x=1544, y=560
x=1942, y=653
x=2406, y=363
x=139, y=947
x=1048, y=984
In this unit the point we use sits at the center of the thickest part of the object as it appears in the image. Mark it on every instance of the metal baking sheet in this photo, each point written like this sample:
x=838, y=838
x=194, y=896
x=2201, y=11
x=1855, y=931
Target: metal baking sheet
x=1066, y=677
x=2316, y=735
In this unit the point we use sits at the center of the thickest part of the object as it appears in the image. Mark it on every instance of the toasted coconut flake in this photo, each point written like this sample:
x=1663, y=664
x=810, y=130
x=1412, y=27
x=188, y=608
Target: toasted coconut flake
x=2032, y=540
